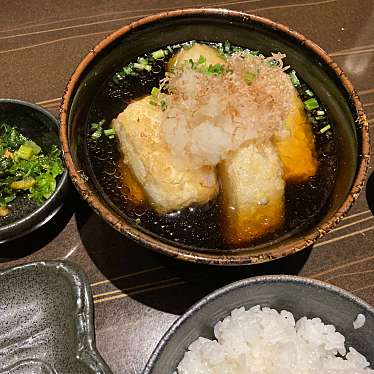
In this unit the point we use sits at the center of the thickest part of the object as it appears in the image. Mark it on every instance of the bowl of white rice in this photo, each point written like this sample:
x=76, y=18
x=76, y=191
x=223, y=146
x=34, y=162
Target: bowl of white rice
x=270, y=325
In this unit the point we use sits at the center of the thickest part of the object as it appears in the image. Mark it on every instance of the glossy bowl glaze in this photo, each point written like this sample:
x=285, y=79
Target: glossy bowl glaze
x=315, y=67
x=41, y=126
x=300, y=296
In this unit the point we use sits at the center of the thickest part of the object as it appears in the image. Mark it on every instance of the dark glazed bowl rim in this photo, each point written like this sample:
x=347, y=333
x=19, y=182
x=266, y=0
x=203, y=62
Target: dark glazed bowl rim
x=50, y=207
x=239, y=257
x=245, y=283
x=87, y=353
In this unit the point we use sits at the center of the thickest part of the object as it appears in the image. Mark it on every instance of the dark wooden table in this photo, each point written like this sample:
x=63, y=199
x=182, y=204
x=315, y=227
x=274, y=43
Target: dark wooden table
x=137, y=293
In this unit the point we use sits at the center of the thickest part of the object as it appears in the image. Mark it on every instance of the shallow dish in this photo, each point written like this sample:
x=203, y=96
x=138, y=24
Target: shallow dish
x=300, y=296
x=315, y=67
x=39, y=125
x=46, y=321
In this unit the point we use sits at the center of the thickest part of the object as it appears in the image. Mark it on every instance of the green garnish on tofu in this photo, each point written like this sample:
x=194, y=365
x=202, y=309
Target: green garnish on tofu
x=158, y=54
x=311, y=104
x=249, y=77
x=294, y=79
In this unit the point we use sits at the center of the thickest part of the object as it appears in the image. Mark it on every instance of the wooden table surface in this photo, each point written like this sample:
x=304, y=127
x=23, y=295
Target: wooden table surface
x=138, y=293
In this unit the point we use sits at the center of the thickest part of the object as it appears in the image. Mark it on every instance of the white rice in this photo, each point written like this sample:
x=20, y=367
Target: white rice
x=359, y=321
x=264, y=341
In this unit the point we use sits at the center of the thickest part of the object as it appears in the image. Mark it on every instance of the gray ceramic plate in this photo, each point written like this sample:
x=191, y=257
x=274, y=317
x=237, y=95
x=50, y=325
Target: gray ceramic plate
x=46, y=321
x=301, y=296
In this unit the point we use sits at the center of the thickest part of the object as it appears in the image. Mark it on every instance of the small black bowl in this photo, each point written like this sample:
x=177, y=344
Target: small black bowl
x=300, y=296
x=39, y=125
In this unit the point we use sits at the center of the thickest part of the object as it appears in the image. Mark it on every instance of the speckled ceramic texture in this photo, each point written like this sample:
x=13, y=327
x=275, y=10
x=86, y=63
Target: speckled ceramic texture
x=39, y=125
x=301, y=296
x=46, y=321
x=313, y=64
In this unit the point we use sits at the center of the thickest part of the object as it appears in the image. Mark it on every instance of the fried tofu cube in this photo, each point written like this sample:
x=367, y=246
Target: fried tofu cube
x=297, y=151
x=211, y=55
x=169, y=184
x=252, y=193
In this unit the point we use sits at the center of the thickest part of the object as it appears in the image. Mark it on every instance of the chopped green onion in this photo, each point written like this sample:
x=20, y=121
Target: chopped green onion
x=97, y=134
x=137, y=221
x=148, y=67
x=189, y=45
x=155, y=91
x=201, y=60
x=127, y=70
x=311, y=104
x=116, y=78
x=176, y=46
x=294, y=79
x=169, y=49
x=324, y=129
x=143, y=61
x=138, y=66
x=249, y=77
x=309, y=93
x=98, y=129
x=158, y=54
x=109, y=132
x=237, y=49
x=319, y=118
x=320, y=113
x=249, y=54
x=163, y=105
x=216, y=69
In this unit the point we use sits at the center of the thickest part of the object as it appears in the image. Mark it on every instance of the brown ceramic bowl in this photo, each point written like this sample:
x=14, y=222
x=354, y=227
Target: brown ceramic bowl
x=316, y=68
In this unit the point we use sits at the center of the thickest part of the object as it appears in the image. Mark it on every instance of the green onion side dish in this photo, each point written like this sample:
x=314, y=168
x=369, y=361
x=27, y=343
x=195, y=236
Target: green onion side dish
x=24, y=169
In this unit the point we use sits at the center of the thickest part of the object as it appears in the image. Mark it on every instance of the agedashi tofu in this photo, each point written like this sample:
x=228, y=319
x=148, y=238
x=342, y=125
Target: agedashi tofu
x=211, y=55
x=252, y=193
x=169, y=184
x=297, y=151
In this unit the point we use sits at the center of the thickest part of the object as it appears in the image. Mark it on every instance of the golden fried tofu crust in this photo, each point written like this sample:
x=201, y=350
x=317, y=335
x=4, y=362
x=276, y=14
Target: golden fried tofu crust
x=297, y=151
x=169, y=184
x=252, y=193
